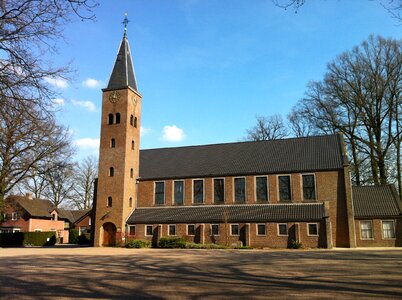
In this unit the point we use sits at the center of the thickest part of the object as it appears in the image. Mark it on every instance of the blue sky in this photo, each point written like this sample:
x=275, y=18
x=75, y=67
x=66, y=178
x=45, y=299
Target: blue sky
x=206, y=68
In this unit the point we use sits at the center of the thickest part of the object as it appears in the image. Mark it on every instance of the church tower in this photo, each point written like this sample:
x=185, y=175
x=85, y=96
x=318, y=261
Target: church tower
x=119, y=150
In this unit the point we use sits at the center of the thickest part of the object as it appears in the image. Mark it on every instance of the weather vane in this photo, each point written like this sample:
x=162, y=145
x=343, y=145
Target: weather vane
x=125, y=22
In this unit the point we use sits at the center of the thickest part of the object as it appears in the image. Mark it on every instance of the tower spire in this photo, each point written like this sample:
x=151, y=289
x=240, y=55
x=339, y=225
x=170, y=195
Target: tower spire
x=125, y=22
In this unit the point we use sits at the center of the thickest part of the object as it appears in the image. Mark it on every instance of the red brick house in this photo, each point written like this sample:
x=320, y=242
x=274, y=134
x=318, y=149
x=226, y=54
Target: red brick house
x=26, y=214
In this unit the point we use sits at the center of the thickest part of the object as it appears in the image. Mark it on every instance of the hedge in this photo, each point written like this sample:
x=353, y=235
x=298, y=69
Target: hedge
x=73, y=236
x=138, y=244
x=172, y=242
x=17, y=239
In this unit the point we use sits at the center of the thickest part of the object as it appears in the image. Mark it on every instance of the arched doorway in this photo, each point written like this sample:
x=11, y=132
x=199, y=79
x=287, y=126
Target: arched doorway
x=109, y=234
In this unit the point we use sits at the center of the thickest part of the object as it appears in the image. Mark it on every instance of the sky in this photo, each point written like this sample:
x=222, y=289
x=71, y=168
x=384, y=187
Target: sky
x=206, y=68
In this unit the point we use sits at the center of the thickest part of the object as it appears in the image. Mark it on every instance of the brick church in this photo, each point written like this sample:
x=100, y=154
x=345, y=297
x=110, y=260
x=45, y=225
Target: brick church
x=259, y=194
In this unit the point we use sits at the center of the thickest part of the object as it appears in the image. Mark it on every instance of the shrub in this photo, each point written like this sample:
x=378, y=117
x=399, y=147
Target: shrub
x=83, y=239
x=204, y=246
x=243, y=247
x=73, y=236
x=27, y=239
x=172, y=242
x=295, y=245
x=138, y=244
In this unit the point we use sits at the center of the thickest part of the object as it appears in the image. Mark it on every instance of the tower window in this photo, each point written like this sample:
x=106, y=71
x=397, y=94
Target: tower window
x=112, y=143
x=131, y=120
x=110, y=119
x=135, y=122
x=117, y=118
x=131, y=173
x=111, y=172
x=130, y=202
x=132, y=145
x=109, y=201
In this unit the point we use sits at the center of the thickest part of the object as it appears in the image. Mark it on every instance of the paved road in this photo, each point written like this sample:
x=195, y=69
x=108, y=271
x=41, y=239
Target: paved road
x=113, y=273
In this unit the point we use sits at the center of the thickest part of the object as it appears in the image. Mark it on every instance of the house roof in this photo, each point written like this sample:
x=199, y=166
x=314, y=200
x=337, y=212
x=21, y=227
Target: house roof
x=72, y=215
x=376, y=201
x=35, y=207
x=244, y=158
x=229, y=213
x=123, y=75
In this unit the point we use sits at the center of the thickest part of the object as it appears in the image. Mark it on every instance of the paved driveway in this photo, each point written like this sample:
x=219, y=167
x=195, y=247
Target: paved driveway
x=113, y=273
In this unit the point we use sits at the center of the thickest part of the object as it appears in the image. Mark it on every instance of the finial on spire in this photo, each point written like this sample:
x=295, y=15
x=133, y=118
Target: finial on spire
x=125, y=22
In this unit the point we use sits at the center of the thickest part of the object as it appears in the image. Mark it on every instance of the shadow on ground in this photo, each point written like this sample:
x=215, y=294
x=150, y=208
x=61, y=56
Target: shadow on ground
x=161, y=274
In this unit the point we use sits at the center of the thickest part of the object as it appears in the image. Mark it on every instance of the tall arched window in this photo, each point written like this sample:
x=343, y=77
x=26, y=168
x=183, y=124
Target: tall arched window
x=130, y=202
x=132, y=145
x=131, y=173
x=117, y=118
x=109, y=201
x=135, y=122
x=112, y=143
x=110, y=119
x=111, y=172
x=131, y=120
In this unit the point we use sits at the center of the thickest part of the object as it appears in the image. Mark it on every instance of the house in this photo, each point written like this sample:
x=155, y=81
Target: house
x=27, y=214
x=261, y=194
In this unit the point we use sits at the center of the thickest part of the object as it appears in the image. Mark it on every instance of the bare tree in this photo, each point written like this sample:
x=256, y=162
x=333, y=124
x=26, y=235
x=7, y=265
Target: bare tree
x=84, y=178
x=267, y=128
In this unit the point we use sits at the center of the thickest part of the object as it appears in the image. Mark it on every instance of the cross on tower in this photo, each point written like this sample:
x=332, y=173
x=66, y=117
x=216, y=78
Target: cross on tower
x=125, y=22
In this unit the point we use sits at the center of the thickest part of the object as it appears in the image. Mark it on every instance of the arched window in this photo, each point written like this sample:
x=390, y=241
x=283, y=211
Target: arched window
x=110, y=119
x=109, y=201
x=132, y=145
x=135, y=122
x=130, y=202
x=111, y=172
x=112, y=143
x=131, y=120
x=117, y=118
x=131, y=173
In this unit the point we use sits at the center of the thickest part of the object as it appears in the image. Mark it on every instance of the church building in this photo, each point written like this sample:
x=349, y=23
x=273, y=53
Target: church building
x=259, y=194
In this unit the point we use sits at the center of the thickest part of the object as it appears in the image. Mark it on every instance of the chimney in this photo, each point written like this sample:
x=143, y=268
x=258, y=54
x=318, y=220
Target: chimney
x=29, y=196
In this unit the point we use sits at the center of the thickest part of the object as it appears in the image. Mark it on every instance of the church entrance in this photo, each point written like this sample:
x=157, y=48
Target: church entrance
x=109, y=234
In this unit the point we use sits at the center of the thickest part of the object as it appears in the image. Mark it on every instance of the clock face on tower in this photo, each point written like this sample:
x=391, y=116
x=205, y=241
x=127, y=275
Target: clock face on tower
x=114, y=97
x=134, y=100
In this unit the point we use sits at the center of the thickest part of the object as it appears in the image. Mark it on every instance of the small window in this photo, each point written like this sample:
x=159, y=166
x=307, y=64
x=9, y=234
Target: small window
x=130, y=202
x=308, y=187
x=284, y=188
x=178, y=190
x=132, y=145
x=219, y=190
x=14, y=216
x=172, y=229
x=149, y=231
x=131, y=230
x=261, y=189
x=312, y=229
x=109, y=201
x=110, y=119
x=261, y=229
x=52, y=217
x=112, y=143
x=111, y=171
x=131, y=173
x=234, y=229
x=215, y=229
x=117, y=118
x=240, y=190
x=366, y=230
x=198, y=191
x=190, y=229
x=132, y=120
x=388, y=229
x=283, y=229
x=135, y=122
x=160, y=193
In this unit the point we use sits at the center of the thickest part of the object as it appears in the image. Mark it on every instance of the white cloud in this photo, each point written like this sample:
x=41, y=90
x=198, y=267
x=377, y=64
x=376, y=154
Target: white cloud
x=91, y=83
x=88, y=105
x=173, y=133
x=144, y=131
x=57, y=82
x=58, y=102
x=87, y=143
